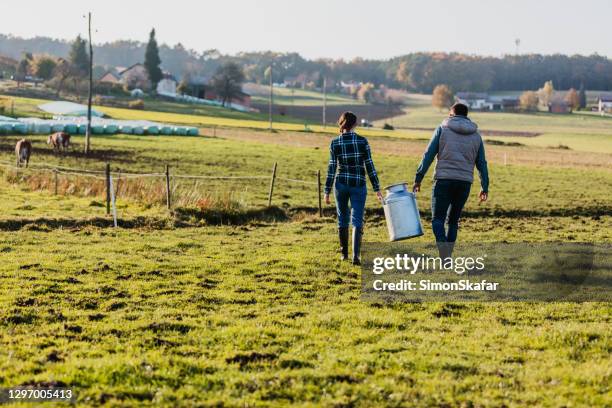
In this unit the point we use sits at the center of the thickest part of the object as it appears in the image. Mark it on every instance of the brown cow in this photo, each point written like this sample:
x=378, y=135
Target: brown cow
x=23, y=150
x=60, y=141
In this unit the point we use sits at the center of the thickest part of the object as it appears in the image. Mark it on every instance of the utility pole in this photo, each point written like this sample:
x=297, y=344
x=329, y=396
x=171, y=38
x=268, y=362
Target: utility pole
x=517, y=43
x=88, y=131
x=324, y=101
x=271, y=101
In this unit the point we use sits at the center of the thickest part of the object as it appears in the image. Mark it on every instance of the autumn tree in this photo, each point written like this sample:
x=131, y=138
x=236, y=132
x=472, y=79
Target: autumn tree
x=44, y=67
x=572, y=98
x=442, y=97
x=23, y=68
x=529, y=101
x=63, y=71
x=365, y=92
x=545, y=93
x=267, y=73
x=183, y=87
x=227, y=82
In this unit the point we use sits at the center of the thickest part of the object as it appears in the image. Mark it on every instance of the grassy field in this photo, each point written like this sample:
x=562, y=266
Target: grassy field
x=293, y=96
x=516, y=187
x=576, y=132
x=229, y=303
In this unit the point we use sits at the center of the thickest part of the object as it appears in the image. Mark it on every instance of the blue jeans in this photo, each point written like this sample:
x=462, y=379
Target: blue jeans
x=357, y=198
x=447, y=200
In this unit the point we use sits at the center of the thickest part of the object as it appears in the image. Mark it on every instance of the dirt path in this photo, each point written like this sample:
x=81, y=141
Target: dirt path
x=414, y=148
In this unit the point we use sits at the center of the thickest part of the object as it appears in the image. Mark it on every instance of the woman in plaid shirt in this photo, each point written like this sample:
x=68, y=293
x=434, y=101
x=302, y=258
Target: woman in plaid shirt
x=350, y=154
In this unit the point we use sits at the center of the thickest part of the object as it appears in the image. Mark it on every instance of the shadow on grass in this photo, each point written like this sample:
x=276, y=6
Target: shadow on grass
x=594, y=212
x=41, y=150
x=221, y=217
x=182, y=218
x=194, y=217
x=49, y=224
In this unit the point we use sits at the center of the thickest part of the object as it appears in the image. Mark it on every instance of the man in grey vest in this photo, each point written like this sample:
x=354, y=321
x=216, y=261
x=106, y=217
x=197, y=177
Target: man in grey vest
x=458, y=147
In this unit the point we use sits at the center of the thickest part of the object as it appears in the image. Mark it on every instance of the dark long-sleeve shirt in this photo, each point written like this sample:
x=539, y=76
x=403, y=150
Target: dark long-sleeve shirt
x=432, y=151
x=350, y=154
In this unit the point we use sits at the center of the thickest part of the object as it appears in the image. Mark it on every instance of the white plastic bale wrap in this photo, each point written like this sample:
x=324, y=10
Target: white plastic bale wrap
x=126, y=129
x=152, y=130
x=78, y=125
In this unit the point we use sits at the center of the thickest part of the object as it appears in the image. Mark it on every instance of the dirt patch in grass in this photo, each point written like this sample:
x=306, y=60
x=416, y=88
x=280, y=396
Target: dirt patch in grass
x=218, y=217
x=41, y=150
x=313, y=114
x=43, y=224
x=484, y=132
x=261, y=217
x=245, y=359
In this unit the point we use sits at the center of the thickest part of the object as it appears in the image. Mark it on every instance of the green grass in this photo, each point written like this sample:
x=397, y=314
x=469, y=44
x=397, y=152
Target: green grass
x=577, y=131
x=299, y=97
x=175, y=310
x=263, y=314
x=514, y=188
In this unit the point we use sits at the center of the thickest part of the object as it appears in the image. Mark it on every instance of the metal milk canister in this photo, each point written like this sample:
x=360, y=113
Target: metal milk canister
x=401, y=213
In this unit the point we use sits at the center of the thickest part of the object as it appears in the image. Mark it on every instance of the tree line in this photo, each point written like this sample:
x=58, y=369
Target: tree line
x=529, y=101
x=70, y=74
x=419, y=72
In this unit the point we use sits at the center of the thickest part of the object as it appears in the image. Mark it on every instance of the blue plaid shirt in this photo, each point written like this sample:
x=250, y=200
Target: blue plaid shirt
x=350, y=154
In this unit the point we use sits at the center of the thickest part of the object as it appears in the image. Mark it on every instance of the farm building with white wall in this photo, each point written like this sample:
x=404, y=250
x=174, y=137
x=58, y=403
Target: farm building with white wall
x=473, y=100
x=604, y=103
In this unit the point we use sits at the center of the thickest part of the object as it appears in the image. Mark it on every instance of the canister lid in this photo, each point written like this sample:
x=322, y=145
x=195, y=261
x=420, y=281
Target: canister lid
x=397, y=187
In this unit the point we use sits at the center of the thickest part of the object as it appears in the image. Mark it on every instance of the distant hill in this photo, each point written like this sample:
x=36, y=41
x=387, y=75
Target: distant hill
x=419, y=72
x=119, y=53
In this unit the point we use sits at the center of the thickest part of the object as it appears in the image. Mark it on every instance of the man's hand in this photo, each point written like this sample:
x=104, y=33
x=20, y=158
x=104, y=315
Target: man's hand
x=379, y=196
x=327, y=199
x=416, y=187
x=483, y=197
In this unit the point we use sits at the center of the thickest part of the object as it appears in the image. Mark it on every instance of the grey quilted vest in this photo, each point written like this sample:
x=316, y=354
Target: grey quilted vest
x=458, y=149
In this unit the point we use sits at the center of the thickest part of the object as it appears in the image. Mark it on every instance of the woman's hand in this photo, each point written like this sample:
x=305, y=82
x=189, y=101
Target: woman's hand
x=416, y=187
x=483, y=197
x=327, y=201
x=379, y=196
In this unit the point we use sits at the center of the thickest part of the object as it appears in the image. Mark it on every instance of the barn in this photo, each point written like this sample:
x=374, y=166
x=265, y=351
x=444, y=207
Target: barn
x=604, y=103
x=559, y=106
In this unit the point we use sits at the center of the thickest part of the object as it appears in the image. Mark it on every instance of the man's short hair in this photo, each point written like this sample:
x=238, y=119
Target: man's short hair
x=459, y=109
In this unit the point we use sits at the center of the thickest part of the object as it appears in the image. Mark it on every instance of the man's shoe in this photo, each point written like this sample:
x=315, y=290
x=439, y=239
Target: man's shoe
x=357, y=234
x=445, y=249
x=343, y=236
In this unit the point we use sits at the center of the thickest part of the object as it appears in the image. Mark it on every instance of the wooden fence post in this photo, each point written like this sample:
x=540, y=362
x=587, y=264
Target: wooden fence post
x=168, y=186
x=108, y=187
x=55, y=179
x=319, y=192
x=118, y=183
x=272, y=184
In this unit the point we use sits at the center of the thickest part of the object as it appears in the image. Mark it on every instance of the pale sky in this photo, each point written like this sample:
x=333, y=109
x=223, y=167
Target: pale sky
x=331, y=28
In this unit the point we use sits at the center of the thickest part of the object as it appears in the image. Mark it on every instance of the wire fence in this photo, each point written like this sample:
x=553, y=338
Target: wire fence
x=113, y=179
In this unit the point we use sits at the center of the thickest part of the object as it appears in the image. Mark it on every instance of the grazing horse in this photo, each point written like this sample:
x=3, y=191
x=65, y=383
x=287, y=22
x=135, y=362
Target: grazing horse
x=23, y=150
x=60, y=141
